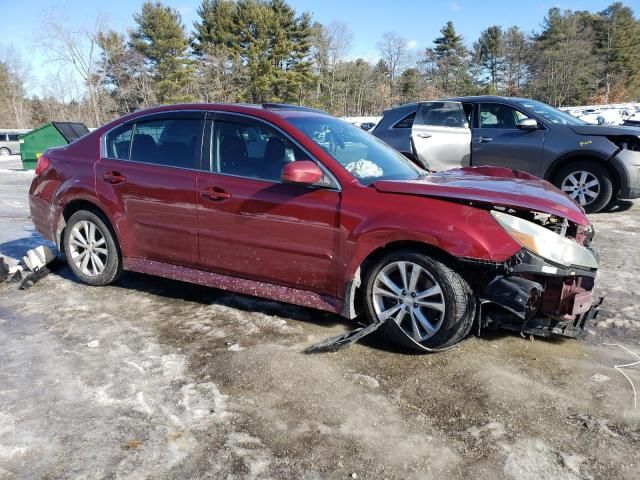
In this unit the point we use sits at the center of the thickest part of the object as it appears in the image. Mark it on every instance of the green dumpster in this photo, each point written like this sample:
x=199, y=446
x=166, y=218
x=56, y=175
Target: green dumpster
x=53, y=134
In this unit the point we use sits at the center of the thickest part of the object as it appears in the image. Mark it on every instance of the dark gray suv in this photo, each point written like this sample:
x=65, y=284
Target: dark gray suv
x=595, y=165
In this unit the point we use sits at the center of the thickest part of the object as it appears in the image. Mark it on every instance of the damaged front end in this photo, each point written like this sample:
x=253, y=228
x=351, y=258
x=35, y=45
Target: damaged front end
x=545, y=289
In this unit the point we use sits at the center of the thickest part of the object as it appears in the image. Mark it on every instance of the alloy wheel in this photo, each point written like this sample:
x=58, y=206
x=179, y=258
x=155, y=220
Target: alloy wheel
x=582, y=186
x=4, y=152
x=88, y=248
x=408, y=294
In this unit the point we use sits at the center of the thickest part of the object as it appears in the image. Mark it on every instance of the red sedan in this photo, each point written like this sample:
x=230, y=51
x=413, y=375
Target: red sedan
x=294, y=205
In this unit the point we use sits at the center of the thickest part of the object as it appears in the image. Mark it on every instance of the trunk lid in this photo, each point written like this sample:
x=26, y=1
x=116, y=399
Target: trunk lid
x=491, y=186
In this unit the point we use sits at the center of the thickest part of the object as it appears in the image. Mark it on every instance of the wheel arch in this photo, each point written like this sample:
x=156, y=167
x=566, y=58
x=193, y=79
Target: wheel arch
x=353, y=289
x=76, y=205
x=577, y=156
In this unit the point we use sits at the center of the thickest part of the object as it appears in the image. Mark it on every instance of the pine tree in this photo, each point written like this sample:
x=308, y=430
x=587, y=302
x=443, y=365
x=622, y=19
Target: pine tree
x=617, y=42
x=489, y=53
x=453, y=61
x=161, y=39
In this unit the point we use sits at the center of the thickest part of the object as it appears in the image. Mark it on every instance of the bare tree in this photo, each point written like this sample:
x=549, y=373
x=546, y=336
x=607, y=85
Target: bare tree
x=78, y=50
x=395, y=55
x=14, y=75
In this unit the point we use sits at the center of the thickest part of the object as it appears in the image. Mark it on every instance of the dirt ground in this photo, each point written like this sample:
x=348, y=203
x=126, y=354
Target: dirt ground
x=152, y=378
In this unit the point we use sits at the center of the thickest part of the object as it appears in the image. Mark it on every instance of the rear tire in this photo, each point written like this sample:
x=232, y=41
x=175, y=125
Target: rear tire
x=434, y=312
x=4, y=152
x=587, y=182
x=91, y=249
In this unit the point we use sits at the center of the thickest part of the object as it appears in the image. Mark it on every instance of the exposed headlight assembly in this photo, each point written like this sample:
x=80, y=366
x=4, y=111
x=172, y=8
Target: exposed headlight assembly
x=545, y=243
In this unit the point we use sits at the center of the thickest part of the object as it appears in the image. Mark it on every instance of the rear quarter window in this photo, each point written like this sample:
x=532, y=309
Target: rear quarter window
x=118, y=141
x=406, y=122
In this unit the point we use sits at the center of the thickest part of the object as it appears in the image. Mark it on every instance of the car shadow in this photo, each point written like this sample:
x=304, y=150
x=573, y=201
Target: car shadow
x=175, y=289
x=620, y=206
x=18, y=248
x=190, y=292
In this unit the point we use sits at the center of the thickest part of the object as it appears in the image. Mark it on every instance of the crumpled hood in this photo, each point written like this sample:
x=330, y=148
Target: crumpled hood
x=491, y=186
x=604, y=130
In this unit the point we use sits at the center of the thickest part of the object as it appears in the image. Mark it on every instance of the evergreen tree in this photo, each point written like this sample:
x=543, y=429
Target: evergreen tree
x=489, y=53
x=617, y=42
x=161, y=39
x=453, y=61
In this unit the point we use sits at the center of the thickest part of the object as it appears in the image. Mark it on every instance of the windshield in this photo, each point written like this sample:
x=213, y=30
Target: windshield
x=552, y=114
x=363, y=155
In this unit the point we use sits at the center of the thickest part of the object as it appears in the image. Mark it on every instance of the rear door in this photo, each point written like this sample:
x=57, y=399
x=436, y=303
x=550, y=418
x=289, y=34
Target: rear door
x=498, y=141
x=441, y=135
x=147, y=177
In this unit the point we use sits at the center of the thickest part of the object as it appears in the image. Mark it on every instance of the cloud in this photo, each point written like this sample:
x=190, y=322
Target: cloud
x=411, y=44
x=454, y=7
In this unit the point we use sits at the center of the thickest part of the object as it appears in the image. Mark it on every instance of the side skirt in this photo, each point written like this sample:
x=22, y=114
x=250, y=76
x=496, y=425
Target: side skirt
x=234, y=284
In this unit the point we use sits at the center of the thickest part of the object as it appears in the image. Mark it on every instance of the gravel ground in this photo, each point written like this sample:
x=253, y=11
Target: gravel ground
x=152, y=378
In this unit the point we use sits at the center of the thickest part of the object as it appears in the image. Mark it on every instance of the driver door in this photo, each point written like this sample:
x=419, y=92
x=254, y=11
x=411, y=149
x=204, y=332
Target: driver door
x=441, y=135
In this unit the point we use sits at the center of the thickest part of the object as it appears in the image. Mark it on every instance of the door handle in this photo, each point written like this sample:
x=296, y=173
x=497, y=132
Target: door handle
x=113, y=177
x=215, y=194
x=424, y=135
x=485, y=139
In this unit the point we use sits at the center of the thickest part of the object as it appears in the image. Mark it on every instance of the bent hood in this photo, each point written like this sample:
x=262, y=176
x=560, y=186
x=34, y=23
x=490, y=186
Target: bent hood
x=604, y=130
x=491, y=186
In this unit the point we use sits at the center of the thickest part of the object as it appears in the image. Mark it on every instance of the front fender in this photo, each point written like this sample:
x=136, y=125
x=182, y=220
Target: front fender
x=458, y=230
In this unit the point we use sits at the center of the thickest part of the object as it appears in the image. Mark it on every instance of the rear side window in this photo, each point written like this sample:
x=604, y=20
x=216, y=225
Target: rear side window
x=170, y=142
x=13, y=138
x=118, y=142
x=406, y=122
x=443, y=114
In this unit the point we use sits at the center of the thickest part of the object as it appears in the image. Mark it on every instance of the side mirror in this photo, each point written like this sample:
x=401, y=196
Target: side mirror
x=528, y=124
x=302, y=172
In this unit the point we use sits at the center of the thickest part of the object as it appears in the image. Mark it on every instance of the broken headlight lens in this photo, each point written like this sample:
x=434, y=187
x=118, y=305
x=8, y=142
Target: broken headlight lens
x=545, y=243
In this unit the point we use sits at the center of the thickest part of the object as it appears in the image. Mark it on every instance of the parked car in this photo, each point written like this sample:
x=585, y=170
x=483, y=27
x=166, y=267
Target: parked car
x=595, y=165
x=9, y=143
x=294, y=205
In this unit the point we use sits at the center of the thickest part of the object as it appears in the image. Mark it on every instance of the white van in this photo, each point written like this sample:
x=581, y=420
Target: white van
x=9, y=144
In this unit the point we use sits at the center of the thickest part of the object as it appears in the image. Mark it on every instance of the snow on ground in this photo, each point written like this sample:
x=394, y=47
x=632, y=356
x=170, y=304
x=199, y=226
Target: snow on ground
x=152, y=378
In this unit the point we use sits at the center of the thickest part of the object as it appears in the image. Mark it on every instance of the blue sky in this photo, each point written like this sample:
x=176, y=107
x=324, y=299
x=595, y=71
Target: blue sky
x=418, y=21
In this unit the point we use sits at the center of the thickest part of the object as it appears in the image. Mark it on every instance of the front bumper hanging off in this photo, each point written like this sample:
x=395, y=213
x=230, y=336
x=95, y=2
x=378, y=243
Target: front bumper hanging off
x=533, y=297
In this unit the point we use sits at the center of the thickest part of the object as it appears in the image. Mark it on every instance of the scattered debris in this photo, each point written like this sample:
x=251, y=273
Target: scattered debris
x=34, y=277
x=41, y=262
x=133, y=444
x=332, y=344
x=17, y=276
x=235, y=348
x=37, y=258
x=93, y=344
x=4, y=270
x=626, y=365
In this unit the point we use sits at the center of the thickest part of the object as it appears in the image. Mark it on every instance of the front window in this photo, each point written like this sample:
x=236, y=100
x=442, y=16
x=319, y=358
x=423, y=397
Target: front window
x=496, y=115
x=363, y=155
x=551, y=114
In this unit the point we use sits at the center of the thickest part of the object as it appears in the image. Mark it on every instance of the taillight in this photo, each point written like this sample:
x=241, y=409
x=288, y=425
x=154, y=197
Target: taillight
x=43, y=164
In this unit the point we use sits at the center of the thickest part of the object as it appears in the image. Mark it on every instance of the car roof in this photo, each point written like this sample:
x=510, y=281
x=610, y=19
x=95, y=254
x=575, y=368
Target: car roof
x=266, y=111
x=490, y=98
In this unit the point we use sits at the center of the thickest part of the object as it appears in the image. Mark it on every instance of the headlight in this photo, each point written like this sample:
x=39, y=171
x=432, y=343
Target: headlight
x=545, y=243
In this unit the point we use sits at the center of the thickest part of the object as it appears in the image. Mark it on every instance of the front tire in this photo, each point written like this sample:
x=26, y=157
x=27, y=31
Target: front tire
x=588, y=183
x=427, y=304
x=91, y=249
x=4, y=152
